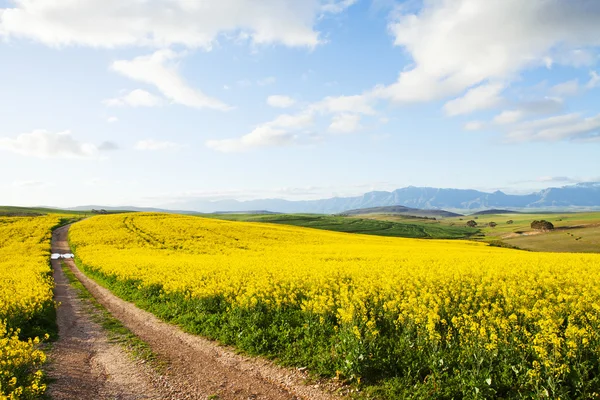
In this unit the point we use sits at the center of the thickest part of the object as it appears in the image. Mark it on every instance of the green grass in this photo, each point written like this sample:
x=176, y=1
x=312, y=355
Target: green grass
x=584, y=240
x=415, y=228
x=117, y=332
x=12, y=211
x=33, y=211
x=397, y=363
x=562, y=240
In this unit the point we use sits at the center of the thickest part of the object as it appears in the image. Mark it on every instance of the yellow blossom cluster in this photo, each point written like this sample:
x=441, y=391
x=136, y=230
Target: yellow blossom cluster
x=25, y=295
x=542, y=308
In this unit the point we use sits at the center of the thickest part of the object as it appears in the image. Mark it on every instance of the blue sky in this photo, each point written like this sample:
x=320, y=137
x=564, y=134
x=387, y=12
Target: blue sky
x=153, y=102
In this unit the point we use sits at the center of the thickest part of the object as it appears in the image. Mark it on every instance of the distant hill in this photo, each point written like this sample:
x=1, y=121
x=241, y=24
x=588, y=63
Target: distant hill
x=401, y=210
x=493, y=211
x=130, y=208
x=579, y=196
x=582, y=195
x=258, y=212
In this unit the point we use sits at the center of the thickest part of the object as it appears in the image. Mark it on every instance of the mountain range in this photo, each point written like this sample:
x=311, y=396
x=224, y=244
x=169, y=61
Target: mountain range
x=581, y=195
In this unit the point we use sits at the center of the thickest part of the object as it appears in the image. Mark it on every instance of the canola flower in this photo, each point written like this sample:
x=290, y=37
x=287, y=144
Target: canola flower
x=25, y=295
x=491, y=321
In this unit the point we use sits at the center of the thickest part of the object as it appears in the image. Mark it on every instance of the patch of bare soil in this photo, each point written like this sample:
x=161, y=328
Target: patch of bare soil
x=197, y=368
x=559, y=228
x=84, y=364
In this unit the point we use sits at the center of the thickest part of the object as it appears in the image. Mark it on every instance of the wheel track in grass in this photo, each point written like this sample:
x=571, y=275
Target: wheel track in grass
x=196, y=368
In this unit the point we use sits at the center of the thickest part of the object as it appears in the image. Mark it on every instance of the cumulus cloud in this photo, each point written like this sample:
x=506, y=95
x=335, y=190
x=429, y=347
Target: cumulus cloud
x=345, y=123
x=474, y=125
x=158, y=69
x=280, y=101
x=549, y=105
x=281, y=131
x=457, y=44
x=156, y=145
x=572, y=87
x=164, y=23
x=266, y=81
x=335, y=7
x=135, y=98
x=568, y=88
x=29, y=184
x=594, y=80
x=568, y=127
x=44, y=144
x=479, y=98
x=360, y=104
x=108, y=146
x=285, y=129
x=557, y=179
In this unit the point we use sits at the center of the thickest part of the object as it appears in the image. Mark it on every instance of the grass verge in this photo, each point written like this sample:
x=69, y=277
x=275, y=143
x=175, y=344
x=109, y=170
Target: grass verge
x=396, y=363
x=117, y=332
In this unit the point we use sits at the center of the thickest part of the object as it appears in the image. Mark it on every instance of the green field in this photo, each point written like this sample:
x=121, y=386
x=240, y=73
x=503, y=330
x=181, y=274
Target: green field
x=11, y=211
x=575, y=232
x=413, y=228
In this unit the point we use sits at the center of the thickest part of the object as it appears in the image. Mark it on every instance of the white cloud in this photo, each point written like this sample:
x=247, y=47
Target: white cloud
x=157, y=69
x=293, y=121
x=280, y=101
x=244, y=82
x=568, y=88
x=572, y=87
x=479, y=98
x=474, y=125
x=336, y=7
x=557, y=179
x=29, y=184
x=281, y=131
x=509, y=117
x=594, y=80
x=284, y=130
x=108, y=146
x=572, y=127
x=112, y=120
x=135, y=98
x=266, y=81
x=44, y=144
x=360, y=104
x=154, y=145
x=164, y=23
x=549, y=105
x=261, y=136
x=456, y=44
x=345, y=123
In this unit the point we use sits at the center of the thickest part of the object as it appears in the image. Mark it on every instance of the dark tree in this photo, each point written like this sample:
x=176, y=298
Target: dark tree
x=510, y=221
x=542, y=225
x=472, y=223
x=492, y=224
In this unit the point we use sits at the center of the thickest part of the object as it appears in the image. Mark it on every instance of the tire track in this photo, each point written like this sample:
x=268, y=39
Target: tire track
x=199, y=368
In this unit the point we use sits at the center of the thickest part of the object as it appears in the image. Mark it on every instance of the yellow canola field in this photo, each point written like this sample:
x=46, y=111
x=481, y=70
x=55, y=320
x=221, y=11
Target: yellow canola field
x=25, y=294
x=481, y=298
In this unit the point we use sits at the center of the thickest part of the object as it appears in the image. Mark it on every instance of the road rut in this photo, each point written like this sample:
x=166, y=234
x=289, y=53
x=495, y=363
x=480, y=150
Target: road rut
x=83, y=360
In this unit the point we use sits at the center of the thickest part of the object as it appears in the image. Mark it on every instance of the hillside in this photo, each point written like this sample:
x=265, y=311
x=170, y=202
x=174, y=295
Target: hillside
x=494, y=212
x=402, y=211
x=357, y=225
x=582, y=195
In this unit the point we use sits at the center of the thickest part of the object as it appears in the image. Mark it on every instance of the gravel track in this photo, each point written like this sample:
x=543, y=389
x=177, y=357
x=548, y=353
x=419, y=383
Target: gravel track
x=85, y=365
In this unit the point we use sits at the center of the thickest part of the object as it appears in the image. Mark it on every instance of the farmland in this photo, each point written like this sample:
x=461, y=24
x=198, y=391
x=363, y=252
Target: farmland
x=400, y=318
x=409, y=228
x=575, y=232
x=26, y=303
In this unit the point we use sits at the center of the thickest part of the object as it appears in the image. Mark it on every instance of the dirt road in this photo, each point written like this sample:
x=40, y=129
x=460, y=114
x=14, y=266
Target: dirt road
x=85, y=365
